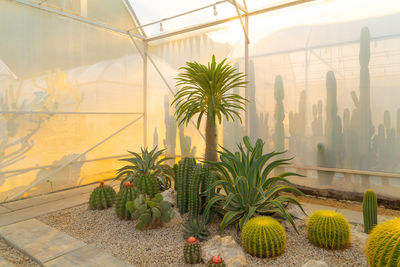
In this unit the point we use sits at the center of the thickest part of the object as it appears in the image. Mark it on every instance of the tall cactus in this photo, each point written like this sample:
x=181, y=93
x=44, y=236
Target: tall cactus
x=185, y=169
x=366, y=129
x=279, y=135
x=185, y=143
x=210, y=179
x=370, y=210
x=194, y=190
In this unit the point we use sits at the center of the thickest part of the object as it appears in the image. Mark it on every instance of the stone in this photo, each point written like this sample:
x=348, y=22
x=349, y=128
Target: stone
x=300, y=224
x=358, y=239
x=86, y=256
x=5, y=263
x=296, y=212
x=170, y=196
x=225, y=247
x=314, y=263
x=39, y=240
x=177, y=219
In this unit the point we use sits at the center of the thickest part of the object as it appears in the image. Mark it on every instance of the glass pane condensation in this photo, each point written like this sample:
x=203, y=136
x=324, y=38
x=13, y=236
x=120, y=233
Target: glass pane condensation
x=65, y=86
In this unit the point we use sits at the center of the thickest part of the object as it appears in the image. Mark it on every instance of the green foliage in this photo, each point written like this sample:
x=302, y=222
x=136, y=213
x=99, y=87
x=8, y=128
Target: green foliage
x=209, y=179
x=243, y=176
x=328, y=229
x=264, y=237
x=150, y=212
x=383, y=246
x=184, y=172
x=192, y=252
x=102, y=197
x=205, y=90
x=370, y=210
x=127, y=193
x=144, y=164
x=196, y=227
x=147, y=184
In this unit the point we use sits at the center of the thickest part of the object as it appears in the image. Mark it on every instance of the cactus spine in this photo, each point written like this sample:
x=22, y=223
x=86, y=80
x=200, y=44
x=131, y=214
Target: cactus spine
x=279, y=136
x=370, y=210
x=263, y=237
x=383, y=246
x=191, y=251
x=147, y=184
x=185, y=169
x=194, y=187
x=328, y=229
x=127, y=193
x=102, y=197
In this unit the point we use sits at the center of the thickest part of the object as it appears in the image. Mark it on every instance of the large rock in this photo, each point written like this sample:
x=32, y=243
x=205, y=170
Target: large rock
x=296, y=212
x=170, y=196
x=225, y=247
x=359, y=239
x=177, y=219
x=314, y=263
x=300, y=225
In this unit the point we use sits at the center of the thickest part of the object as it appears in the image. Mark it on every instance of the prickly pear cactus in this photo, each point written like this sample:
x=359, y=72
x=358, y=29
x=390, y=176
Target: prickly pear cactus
x=150, y=212
x=102, y=197
x=127, y=193
x=147, y=184
x=370, y=210
x=191, y=251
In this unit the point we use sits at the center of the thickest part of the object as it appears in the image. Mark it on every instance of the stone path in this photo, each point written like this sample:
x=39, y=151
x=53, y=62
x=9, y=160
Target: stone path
x=5, y=263
x=43, y=243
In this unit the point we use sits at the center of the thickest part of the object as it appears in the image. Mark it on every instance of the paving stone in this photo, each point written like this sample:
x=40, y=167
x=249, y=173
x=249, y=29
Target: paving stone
x=5, y=263
x=32, y=212
x=88, y=256
x=4, y=210
x=352, y=216
x=39, y=240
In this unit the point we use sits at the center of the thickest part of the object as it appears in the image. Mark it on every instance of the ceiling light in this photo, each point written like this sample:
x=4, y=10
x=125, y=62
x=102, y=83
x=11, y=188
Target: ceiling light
x=215, y=10
x=161, y=27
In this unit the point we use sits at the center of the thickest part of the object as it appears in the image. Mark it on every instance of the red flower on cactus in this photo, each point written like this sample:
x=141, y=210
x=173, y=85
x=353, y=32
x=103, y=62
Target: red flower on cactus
x=127, y=184
x=101, y=182
x=216, y=260
x=191, y=240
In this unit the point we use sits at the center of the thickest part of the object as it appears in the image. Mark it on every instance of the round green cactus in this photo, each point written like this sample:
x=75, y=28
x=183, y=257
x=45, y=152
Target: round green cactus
x=370, y=210
x=216, y=261
x=102, y=197
x=127, y=193
x=328, y=229
x=263, y=237
x=191, y=251
x=147, y=184
x=383, y=246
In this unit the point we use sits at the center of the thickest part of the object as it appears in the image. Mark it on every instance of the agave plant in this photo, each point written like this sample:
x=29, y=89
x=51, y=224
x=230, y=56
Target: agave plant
x=197, y=228
x=147, y=163
x=249, y=191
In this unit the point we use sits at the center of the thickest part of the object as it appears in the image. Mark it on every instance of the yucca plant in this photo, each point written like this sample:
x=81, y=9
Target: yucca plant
x=249, y=191
x=144, y=164
x=206, y=90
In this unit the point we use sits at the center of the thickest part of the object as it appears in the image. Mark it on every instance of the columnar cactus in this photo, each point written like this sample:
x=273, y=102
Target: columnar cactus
x=279, y=136
x=211, y=178
x=127, y=193
x=328, y=229
x=150, y=212
x=216, y=261
x=102, y=197
x=194, y=191
x=185, y=169
x=263, y=237
x=147, y=184
x=370, y=210
x=383, y=246
x=191, y=251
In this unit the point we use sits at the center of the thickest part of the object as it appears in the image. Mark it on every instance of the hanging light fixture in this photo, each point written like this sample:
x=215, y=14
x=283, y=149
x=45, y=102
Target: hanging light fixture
x=215, y=10
x=161, y=27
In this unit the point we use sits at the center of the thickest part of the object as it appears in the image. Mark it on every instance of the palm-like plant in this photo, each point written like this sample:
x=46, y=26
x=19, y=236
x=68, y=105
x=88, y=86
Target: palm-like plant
x=249, y=191
x=206, y=90
x=147, y=163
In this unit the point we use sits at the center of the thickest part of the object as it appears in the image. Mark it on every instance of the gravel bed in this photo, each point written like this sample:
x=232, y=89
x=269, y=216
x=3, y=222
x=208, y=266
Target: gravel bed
x=14, y=256
x=164, y=246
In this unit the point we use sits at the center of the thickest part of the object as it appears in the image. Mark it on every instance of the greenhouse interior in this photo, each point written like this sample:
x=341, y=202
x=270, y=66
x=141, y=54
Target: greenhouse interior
x=200, y=133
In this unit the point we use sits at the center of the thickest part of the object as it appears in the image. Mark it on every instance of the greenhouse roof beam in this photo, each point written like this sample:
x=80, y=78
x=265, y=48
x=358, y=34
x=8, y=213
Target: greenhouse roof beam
x=238, y=6
x=221, y=21
x=241, y=21
x=78, y=18
x=134, y=17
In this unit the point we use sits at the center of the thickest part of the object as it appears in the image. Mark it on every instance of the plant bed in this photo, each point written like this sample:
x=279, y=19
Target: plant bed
x=164, y=246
